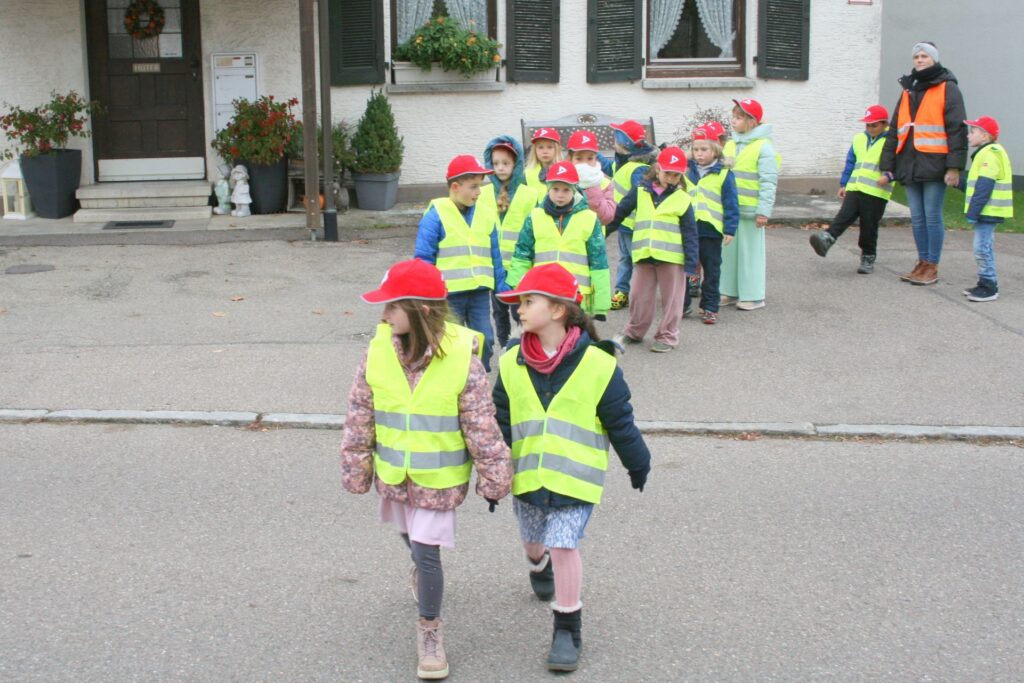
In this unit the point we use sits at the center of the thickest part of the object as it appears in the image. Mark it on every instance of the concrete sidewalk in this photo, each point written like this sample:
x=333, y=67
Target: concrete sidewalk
x=791, y=209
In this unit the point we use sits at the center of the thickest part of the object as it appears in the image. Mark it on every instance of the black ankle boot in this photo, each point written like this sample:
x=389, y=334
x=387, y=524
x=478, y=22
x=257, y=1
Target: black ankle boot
x=542, y=577
x=566, y=641
x=867, y=264
x=821, y=242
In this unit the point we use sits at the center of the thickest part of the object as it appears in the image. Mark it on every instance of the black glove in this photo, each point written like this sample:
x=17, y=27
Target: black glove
x=638, y=478
x=491, y=504
x=601, y=317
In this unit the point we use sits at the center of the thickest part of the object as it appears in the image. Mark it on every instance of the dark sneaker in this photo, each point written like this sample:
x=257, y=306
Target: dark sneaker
x=624, y=339
x=620, y=300
x=821, y=242
x=971, y=290
x=987, y=290
x=688, y=312
x=661, y=347
x=867, y=265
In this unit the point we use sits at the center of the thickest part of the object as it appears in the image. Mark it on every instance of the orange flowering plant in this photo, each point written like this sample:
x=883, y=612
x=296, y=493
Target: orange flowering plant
x=260, y=132
x=442, y=41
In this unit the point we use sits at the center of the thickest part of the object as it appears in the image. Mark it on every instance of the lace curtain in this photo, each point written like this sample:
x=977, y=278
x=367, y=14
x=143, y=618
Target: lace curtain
x=665, y=15
x=411, y=15
x=472, y=14
x=716, y=15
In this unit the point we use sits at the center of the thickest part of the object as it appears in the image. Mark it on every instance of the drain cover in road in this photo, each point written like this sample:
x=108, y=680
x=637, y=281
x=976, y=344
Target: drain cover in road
x=132, y=225
x=26, y=268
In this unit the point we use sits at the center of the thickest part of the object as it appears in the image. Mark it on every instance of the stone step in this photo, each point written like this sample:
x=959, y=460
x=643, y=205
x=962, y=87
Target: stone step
x=143, y=202
x=181, y=213
x=150, y=189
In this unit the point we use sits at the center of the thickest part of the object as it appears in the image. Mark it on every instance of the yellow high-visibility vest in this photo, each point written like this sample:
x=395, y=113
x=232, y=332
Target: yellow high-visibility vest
x=563, y=449
x=418, y=432
x=622, y=184
x=866, y=172
x=568, y=247
x=464, y=255
x=657, y=233
x=707, y=199
x=534, y=182
x=509, y=226
x=990, y=158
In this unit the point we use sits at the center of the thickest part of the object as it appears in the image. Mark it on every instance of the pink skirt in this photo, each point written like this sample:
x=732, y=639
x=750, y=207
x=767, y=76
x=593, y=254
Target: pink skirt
x=429, y=527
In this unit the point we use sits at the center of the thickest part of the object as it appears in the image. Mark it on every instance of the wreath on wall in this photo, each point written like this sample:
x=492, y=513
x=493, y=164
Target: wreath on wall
x=153, y=23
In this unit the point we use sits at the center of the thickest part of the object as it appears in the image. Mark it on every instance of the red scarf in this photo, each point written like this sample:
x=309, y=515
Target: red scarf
x=537, y=358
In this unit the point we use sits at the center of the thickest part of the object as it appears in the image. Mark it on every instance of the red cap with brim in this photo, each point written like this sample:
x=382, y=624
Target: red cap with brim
x=875, y=113
x=551, y=280
x=714, y=129
x=414, y=279
x=634, y=129
x=465, y=164
x=987, y=124
x=751, y=108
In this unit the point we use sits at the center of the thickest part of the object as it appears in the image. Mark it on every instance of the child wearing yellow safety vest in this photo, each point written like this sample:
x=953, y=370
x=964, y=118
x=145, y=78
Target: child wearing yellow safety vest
x=665, y=247
x=717, y=212
x=545, y=150
x=594, y=184
x=461, y=238
x=864, y=197
x=513, y=200
x=420, y=416
x=634, y=154
x=563, y=230
x=756, y=167
x=988, y=201
x=561, y=400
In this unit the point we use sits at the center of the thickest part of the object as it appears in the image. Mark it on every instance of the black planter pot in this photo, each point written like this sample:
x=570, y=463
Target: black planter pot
x=268, y=186
x=52, y=180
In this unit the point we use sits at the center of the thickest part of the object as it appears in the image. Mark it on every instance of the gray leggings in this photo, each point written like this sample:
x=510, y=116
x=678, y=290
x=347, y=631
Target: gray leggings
x=430, y=577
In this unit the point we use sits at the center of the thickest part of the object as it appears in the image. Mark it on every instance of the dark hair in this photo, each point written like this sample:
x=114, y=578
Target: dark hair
x=575, y=316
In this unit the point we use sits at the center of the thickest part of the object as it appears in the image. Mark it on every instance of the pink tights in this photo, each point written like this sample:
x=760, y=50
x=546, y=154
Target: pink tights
x=568, y=567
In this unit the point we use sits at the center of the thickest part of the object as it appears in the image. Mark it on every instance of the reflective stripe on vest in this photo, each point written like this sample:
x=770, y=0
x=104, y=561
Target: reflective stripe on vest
x=418, y=433
x=510, y=225
x=464, y=255
x=1000, y=204
x=568, y=248
x=707, y=199
x=657, y=233
x=928, y=124
x=622, y=183
x=565, y=448
x=866, y=172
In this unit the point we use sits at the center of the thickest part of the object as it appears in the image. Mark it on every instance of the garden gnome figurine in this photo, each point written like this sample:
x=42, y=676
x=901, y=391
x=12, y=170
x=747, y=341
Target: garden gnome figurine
x=240, y=191
x=223, y=192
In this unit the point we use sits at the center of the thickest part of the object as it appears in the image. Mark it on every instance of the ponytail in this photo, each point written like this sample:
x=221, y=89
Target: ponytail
x=575, y=316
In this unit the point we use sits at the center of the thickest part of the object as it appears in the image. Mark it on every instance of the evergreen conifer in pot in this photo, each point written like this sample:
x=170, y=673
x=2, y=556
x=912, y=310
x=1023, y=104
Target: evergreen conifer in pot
x=378, y=155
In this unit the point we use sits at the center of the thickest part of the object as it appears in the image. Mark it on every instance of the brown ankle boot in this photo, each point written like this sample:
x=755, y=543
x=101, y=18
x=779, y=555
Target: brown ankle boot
x=928, y=275
x=913, y=273
x=433, y=664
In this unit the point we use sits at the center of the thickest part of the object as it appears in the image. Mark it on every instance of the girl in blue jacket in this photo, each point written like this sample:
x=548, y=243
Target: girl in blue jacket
x=560, y=400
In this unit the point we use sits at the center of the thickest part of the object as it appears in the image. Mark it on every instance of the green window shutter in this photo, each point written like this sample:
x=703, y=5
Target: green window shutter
x=532, y=40
x=357, y=42
x=783, y=39
x=613, y=40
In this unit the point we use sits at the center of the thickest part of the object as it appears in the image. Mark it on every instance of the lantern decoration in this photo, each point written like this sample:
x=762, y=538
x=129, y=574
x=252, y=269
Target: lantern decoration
x=17, y=203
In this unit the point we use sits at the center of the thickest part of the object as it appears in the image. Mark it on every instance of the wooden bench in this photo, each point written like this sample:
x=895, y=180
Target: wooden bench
x=598, y=124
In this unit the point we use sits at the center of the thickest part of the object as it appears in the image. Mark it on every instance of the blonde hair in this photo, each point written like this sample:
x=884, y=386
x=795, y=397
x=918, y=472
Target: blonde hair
x=426, y=328
x=531, y=157
x=716, y=147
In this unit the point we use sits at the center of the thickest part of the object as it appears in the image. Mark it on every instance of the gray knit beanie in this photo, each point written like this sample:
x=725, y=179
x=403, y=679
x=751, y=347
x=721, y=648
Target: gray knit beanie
x=927, y=48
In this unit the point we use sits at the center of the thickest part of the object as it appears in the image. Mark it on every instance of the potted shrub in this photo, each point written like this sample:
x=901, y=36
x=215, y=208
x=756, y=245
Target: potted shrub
x=258, y=137
x=52, y=173
x=344, y=157
x=378, y=155
x=446, y=52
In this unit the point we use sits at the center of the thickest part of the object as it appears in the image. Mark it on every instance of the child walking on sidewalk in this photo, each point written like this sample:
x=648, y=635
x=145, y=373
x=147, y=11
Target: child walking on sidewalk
x=560, y=400
x=420, y=415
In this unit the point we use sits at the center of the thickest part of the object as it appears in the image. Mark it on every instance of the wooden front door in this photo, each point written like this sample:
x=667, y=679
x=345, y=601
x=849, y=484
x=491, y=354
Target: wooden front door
x=152, y=90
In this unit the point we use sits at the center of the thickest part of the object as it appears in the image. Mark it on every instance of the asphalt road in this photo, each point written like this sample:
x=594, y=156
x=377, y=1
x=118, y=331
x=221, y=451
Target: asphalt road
x=215, y=554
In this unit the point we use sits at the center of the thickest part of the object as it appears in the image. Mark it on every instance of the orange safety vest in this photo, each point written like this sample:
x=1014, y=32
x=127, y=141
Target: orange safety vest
x=929, y=124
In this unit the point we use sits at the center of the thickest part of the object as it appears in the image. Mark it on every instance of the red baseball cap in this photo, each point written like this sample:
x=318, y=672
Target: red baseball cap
x=634, y=129
x=563, y=172
x=987, y=124
x=505, y=145
x=751, y=107
x=551, y=280
x=701, y=133
x=582, y=141
x=875, y=113
x=465, y=164
x=546, y=134
x=714, y=129
x=415, y=279
x=672, y=159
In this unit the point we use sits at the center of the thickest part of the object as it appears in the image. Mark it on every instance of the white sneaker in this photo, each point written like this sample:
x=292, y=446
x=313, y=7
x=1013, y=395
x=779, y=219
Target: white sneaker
x=727, y=300
x=750, y=305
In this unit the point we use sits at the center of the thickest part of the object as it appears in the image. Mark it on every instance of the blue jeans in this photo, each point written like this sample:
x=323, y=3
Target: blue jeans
x=925, y=201
x=984, y=243
x=625, y=270
x=473, y=309
x=711, y=264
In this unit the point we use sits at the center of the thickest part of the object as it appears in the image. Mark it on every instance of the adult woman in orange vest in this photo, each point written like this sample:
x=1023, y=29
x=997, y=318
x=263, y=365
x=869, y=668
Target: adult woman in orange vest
x=925, y=150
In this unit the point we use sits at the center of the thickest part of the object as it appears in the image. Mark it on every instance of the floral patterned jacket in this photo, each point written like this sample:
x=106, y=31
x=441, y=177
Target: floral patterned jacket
x=484, y=441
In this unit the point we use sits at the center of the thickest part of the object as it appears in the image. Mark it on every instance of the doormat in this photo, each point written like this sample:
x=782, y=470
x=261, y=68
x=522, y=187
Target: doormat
x=131, y=225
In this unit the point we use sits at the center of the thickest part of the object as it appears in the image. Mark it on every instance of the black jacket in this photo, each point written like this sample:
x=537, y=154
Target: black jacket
x=911, y=165
x=614, y=411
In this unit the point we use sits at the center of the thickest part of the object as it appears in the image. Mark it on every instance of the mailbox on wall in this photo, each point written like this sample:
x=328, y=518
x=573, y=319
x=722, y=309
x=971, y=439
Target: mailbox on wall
x=234, y=77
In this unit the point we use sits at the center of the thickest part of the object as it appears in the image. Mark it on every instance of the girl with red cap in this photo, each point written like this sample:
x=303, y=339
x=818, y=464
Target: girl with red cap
x=594, y=184
x=564, y=230
x=634, y=155
x=664, y=249
x=420, y=416
x=756, y=167
x=545, y=149
x=560, y=400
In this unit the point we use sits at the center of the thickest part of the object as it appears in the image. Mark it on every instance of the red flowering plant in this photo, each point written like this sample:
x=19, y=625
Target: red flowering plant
x=48, y=127
x=260, y=132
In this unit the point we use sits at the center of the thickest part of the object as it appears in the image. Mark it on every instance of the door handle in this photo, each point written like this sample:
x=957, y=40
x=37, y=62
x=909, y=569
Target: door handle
x=195, y=70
